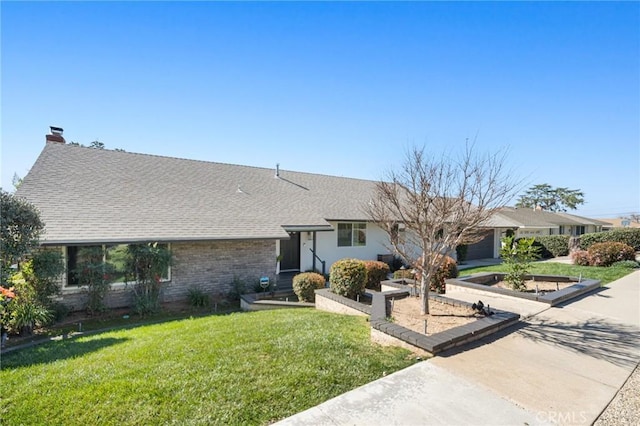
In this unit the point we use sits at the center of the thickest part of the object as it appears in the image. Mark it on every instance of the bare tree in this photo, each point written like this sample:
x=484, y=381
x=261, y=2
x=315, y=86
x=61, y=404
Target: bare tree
x=441, y=202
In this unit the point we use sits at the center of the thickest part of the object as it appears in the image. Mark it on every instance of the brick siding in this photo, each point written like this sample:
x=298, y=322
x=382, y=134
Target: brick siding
x=210, y=266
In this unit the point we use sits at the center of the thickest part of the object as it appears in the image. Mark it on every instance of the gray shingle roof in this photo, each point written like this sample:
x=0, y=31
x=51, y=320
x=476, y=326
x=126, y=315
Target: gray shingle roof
x=521, y=217
x=92, y=195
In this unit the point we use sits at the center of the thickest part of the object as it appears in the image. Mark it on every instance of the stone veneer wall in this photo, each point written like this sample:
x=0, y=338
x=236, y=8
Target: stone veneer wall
x=210, y=266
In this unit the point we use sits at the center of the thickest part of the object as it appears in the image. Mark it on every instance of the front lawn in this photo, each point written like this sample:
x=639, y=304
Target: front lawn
x=241, y=368
x=604, y=274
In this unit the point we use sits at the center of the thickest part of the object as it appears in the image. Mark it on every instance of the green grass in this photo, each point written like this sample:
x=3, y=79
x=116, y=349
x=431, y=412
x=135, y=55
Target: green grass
x=241, y=368
x=605, y=275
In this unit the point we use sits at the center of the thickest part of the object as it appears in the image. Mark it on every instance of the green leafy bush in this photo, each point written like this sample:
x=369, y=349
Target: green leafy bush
x=145, y=265
x=95, y=276
x=59, y=311
x=606, y=254
x=448, y=269
x=348, y=277
x=553, y=245
x=27, y=314
x=581, y=257
x=406, y=274
x=517, y=256
x=305, y=285
x=631, y=264
x=629, y=236
x=376, y=272
x=197, y=298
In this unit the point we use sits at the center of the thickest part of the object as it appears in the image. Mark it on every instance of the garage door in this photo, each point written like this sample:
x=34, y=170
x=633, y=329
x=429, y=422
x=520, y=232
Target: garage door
x=482, y=249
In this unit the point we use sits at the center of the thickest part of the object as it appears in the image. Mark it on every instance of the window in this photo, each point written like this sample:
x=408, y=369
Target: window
x=579, y=230
x=561, y=230
x=113, y=259
x=352, y=234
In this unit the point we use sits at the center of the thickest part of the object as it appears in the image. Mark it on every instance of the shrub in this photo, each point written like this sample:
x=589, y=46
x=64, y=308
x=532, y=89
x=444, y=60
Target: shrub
x=406, y=274
x=553, y=245
x=305, y=285
x=631, y=264
x=581, y=257
x=376, y=272
x=42, y=273
x=26, y=315
x=606, y=254
x=348, y=277
x=197, y=298
x=629, y=236
x=447, y=270
x=59, y=311
x=517, y=256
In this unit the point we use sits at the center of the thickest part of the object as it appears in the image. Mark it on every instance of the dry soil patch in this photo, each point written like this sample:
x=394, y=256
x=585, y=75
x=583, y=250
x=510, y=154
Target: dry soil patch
x=441, y=317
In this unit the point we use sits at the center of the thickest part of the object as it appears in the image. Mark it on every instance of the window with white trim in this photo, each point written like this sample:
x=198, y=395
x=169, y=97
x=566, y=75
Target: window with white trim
x=352, y=234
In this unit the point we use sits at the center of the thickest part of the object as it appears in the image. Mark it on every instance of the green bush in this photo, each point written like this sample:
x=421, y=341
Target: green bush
x=348, y=277
x=59, y=311
x=305, y=285
x=581, y=257
x=631, y=264
x=26, y=315
x=447, y=270
x=406, y=274
x=606, y=254
x=629, y=236
x=553, y=245
x=517, y=256
x=197, y=298
x=376, y=272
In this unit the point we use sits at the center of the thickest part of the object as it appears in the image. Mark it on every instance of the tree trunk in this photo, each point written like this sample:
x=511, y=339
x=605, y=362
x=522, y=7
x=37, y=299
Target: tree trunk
x=424, y=290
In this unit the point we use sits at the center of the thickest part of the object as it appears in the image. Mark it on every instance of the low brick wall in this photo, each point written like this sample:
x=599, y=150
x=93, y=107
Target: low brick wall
x=331, y=302
x=388, y=333
x=256, y=302
x=477, y=284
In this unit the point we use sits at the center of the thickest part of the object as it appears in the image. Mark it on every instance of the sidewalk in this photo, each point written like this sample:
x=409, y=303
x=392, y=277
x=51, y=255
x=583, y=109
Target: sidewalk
x=562, y=365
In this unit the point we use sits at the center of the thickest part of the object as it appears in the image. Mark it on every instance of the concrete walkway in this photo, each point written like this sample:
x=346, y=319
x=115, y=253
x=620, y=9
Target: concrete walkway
x=562, y=365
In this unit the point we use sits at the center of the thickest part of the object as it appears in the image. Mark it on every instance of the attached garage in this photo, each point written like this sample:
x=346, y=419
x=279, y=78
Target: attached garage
x=482, y=249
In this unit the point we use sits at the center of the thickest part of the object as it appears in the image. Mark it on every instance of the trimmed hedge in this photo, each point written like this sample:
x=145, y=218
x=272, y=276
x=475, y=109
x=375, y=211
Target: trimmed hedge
x=606, y=254
x=348, y=277
x=305, y=285
x=376, y=272
x=630, y=237
x=553, y=245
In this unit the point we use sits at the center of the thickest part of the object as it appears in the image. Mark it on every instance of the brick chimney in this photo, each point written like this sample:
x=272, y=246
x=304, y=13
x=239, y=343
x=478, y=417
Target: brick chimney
x=55, y=136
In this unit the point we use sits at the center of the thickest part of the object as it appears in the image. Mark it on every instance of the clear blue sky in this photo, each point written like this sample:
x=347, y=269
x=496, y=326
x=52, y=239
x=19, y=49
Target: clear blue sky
x=334, y=88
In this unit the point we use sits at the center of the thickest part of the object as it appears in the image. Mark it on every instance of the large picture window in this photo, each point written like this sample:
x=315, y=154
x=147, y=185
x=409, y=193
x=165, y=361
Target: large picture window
x=352, y=234
x=113, y=258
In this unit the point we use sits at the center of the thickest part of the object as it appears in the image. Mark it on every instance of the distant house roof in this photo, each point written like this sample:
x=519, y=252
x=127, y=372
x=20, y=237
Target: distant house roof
x=90, y=195
x=511, y=217
x=618, y=223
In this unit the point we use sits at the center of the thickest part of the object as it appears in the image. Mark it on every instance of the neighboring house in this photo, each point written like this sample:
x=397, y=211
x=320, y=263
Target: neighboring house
x=530, y=223
x=223, y=223
x=619, y=223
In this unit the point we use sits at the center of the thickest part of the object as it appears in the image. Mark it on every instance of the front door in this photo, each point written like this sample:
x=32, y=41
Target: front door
x=290, y=252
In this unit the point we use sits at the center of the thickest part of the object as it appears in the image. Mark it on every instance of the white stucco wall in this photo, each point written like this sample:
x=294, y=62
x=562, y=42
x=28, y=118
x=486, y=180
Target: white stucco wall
x=328, y=250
